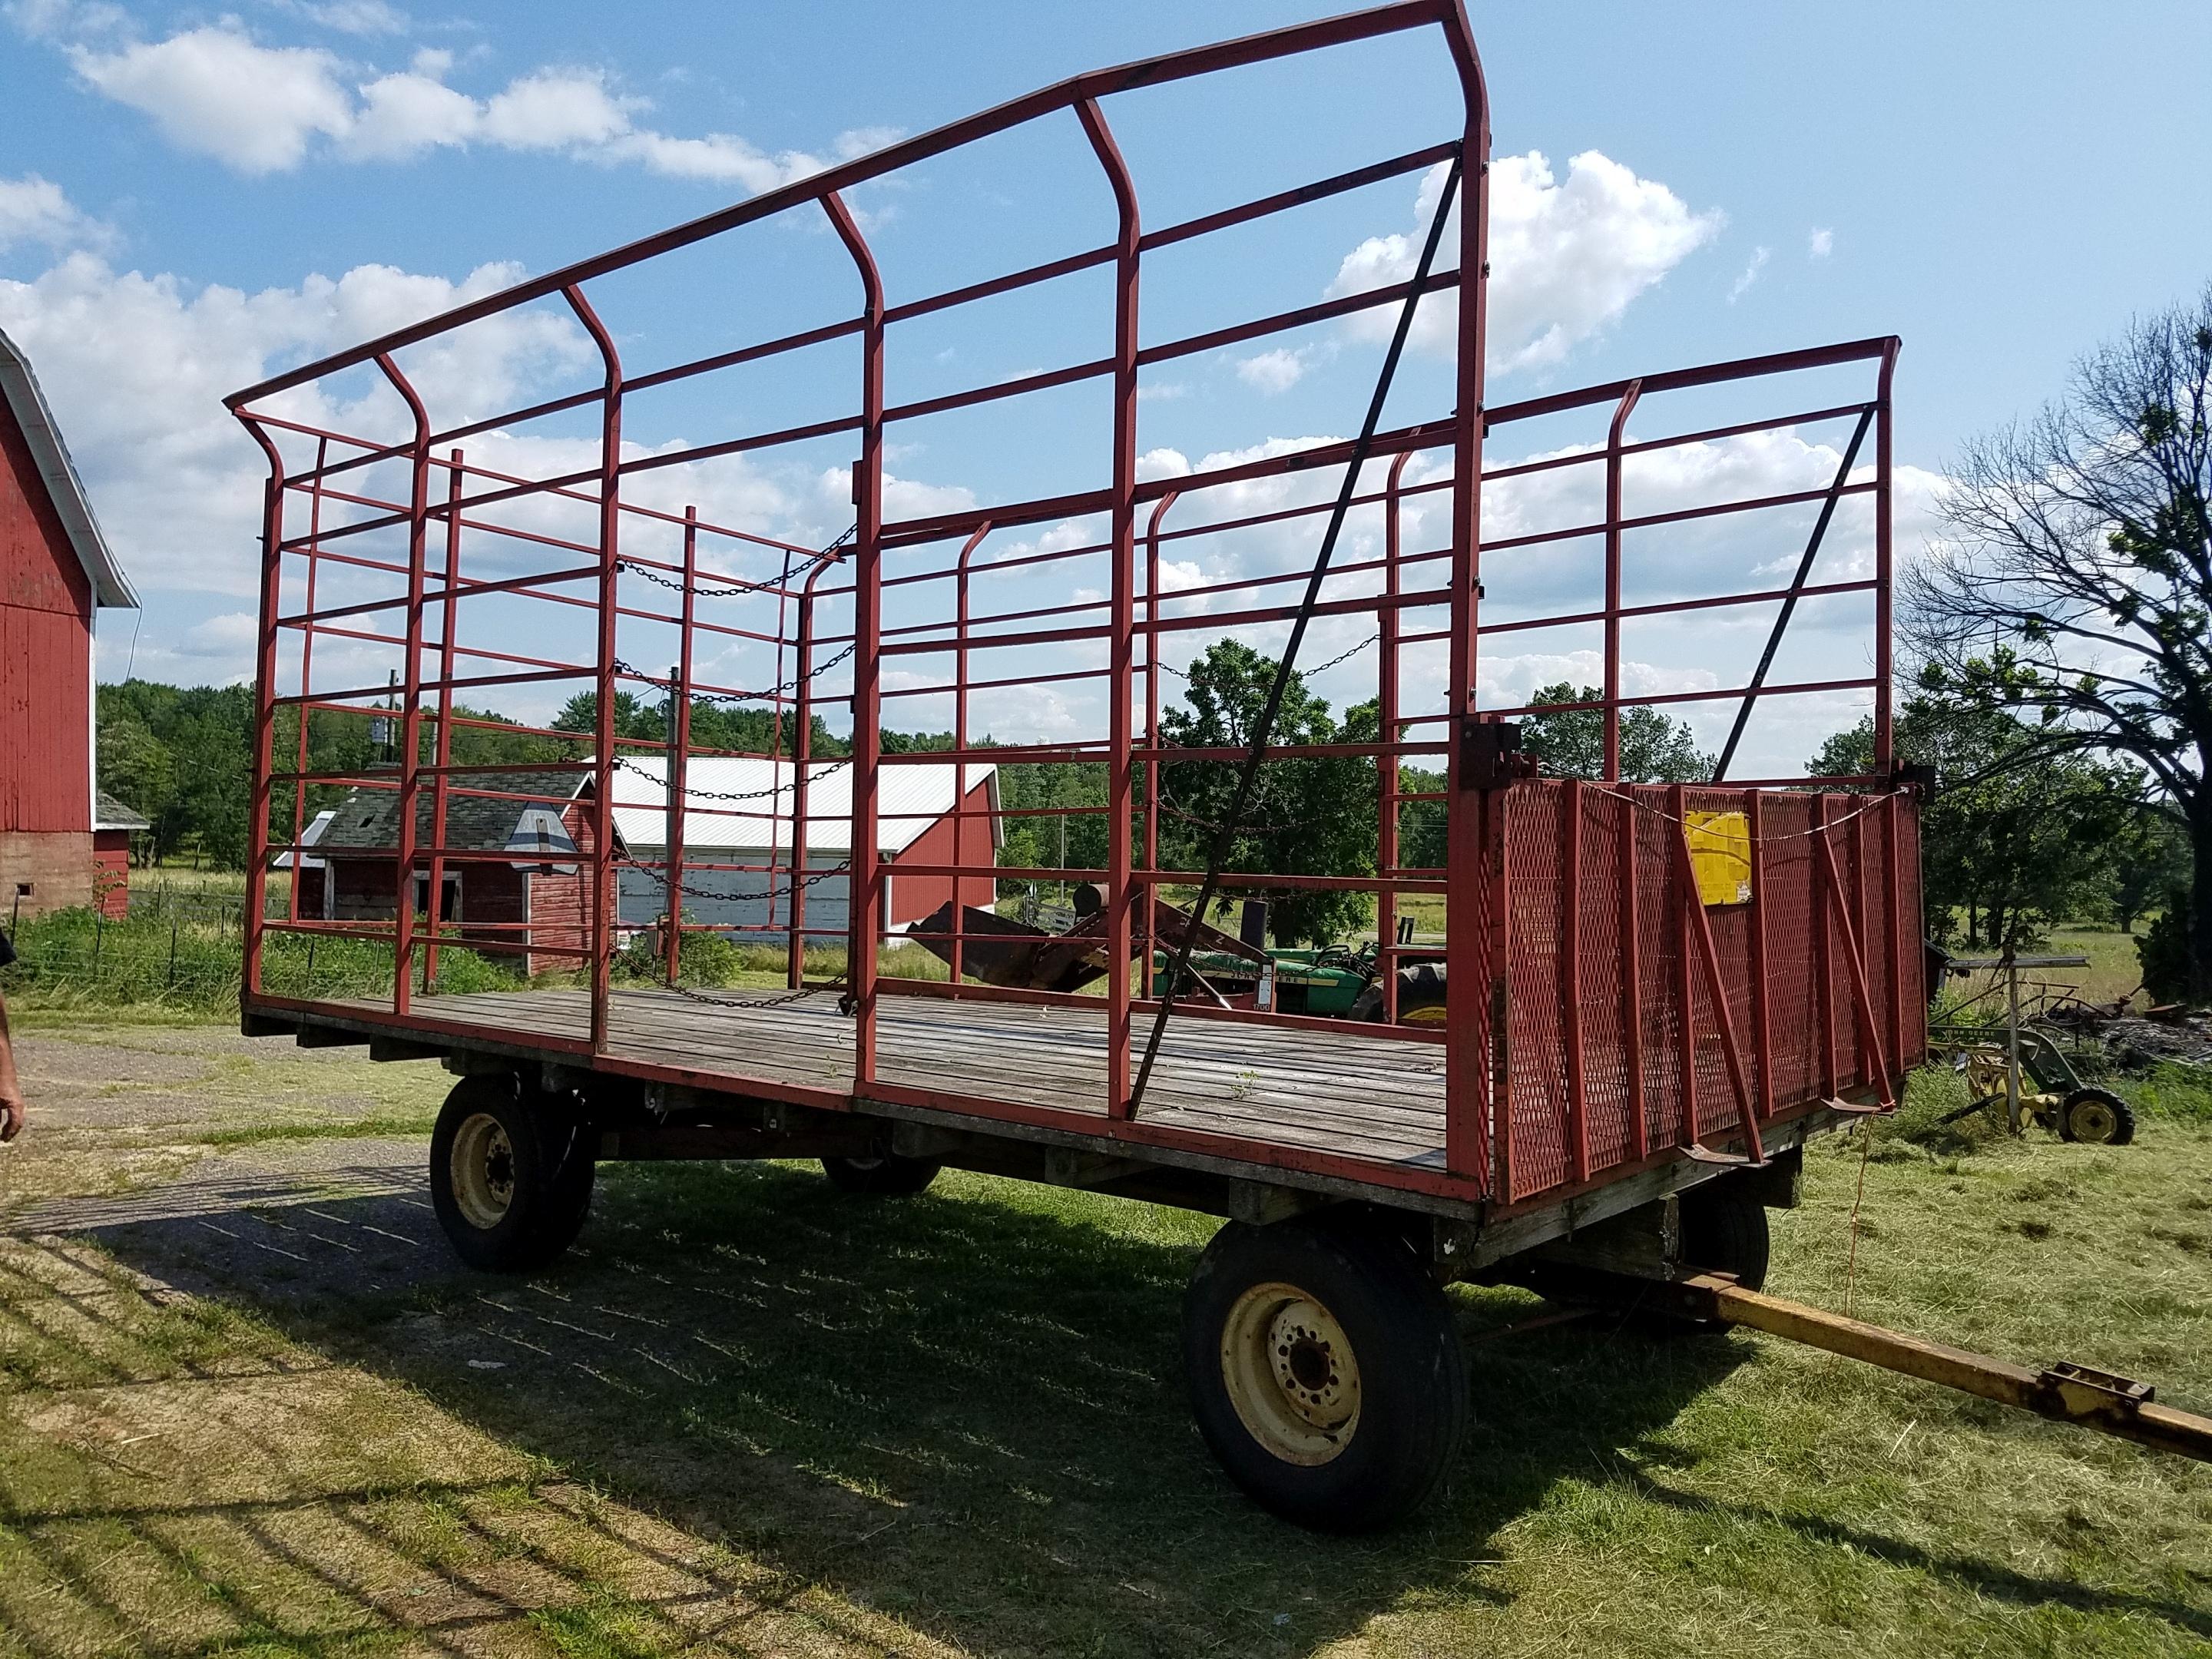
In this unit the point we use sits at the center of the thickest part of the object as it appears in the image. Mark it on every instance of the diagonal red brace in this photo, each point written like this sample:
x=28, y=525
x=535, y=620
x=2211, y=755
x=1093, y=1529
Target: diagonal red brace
x=1701, y=934
x=1861, y=999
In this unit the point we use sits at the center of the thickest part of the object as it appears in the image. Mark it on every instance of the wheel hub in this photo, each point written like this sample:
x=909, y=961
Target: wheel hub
x=2092, y=1120
x=1291, y=1374
x=484, y=1171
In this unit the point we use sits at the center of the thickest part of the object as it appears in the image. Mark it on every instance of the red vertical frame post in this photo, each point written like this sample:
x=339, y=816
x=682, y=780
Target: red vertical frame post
x=1824, y=957
x=960, y=744
x=802, y=755
x=1152, y=733
x=1612, y=557
x=1120, y=791
x=1884, y=756
x=1899, y=939
x=307, y=674
x=1632, y=979
x=1474, y=962
x=601, y=931
x=680, y=754
x=265, y=711
x=410, y=707
x=447, y=618
x=864, y=882
x=1762, y=1017
x=1386, y=760
x=1570, y=976
x=1686, y=1004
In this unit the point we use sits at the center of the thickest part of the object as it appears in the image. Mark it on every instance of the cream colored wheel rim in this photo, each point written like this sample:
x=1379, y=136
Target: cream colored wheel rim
x=1433, y=1014
x=1291, y=1374
x=484, y=1171
x=2091, y=1121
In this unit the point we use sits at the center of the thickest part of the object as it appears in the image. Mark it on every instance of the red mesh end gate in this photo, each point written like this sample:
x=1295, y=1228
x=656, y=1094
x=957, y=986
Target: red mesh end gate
x=1616, y=1045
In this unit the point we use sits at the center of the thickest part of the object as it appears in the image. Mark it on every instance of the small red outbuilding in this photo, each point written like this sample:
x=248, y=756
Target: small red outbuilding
x=54, y=571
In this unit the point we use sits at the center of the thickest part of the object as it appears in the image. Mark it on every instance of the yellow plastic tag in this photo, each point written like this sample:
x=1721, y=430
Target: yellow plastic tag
x=1720, y=853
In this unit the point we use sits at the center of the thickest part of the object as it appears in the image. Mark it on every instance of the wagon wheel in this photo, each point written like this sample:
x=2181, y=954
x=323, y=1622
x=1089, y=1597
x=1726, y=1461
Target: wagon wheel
x=1324, y=1371
x=2098, y=1117
x=1420, y=996
x=511, y=1182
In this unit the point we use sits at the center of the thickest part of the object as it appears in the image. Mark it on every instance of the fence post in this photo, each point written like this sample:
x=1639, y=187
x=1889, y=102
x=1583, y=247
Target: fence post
x=170, y=984
x=99, y=931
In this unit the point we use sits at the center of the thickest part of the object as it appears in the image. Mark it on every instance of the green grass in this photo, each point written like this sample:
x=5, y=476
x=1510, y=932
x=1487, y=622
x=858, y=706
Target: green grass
x=954, y=1424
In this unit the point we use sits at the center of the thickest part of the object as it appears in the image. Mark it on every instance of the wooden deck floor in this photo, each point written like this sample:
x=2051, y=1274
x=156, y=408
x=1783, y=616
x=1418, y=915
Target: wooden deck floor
x=1368, y=1097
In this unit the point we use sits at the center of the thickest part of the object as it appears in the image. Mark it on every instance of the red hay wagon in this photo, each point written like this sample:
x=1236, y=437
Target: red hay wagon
x=1654, y=989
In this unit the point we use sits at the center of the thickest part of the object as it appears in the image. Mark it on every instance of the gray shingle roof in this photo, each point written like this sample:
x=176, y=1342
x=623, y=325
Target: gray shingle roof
x=109, y=814
x=368, y=819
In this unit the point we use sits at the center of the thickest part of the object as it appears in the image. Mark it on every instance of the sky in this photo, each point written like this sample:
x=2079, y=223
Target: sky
x=190, y=198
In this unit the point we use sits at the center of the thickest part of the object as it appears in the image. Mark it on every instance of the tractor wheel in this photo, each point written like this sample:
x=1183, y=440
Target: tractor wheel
x=510, y=1183
x=1420, y=996
x=888, y=1176
x=2097, y=1117
x=1724, y=1232
x=1324, y=1371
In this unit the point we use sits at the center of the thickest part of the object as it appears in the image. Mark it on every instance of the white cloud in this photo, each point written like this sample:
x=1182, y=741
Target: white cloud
x=1567, y=258
x=1275, y=371
x=401, y=116
x=1758, y=257
x=1820, y=245
x=556, y=109
x=35, y=209
x=261, y=109
x=255, y=108
x=352, y=16
x=138, y=366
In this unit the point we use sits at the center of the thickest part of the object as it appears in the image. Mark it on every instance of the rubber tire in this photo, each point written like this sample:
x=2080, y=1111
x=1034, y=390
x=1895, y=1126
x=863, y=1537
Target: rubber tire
x=1421, y=986
x=2123, y=1117
x=552, y=1150
x=1413, y=1409
x=888, y=1176
x=1724, y=1232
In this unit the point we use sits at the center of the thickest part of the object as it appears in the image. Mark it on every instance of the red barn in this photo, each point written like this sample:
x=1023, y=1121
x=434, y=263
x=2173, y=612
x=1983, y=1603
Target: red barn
x=54, y=571
x=530, y=904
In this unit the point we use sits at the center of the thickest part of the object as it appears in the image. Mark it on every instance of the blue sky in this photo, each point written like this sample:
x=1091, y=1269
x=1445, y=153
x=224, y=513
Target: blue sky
x=2000, y=184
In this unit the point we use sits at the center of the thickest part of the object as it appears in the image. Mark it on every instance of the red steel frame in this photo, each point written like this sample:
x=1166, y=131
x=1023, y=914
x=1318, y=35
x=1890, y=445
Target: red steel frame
x=1678, y=998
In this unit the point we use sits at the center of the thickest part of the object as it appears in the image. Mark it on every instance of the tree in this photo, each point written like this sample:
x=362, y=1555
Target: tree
x=2079, y=580
x=1571, y=743
x=136, y=768
x=1306, y=817
x=2008, y=848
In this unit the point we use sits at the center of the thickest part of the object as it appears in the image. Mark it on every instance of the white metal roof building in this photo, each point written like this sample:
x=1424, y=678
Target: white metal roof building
x=741, y=811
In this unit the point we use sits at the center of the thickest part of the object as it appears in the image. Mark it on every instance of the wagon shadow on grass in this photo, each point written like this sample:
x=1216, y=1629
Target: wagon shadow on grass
x=965, y=1410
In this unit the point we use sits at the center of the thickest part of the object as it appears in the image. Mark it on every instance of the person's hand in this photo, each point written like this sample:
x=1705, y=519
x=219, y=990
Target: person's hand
x=11, y=1119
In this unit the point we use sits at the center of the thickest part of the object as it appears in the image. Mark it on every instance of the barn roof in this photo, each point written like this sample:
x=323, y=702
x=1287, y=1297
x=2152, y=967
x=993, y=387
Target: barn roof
x=19, y=388
x=368, y=819
x=109, y=814
x=718, y=788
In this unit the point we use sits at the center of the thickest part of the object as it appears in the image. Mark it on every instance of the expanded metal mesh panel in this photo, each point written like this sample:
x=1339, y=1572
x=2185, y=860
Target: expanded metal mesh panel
x=1536, y=888
x=1912, y=965
x=1638, y=1048
x=1600, y=981
x=1785, y=855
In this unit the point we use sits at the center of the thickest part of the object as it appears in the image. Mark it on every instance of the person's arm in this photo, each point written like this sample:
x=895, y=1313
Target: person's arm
x=11, y=1087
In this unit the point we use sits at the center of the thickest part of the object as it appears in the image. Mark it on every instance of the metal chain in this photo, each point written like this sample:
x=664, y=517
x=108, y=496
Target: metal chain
x=628, y=764
x=1868, y=805
x=739, y=587
x=814, y=880
x=734, y=697
x=1305, y=674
